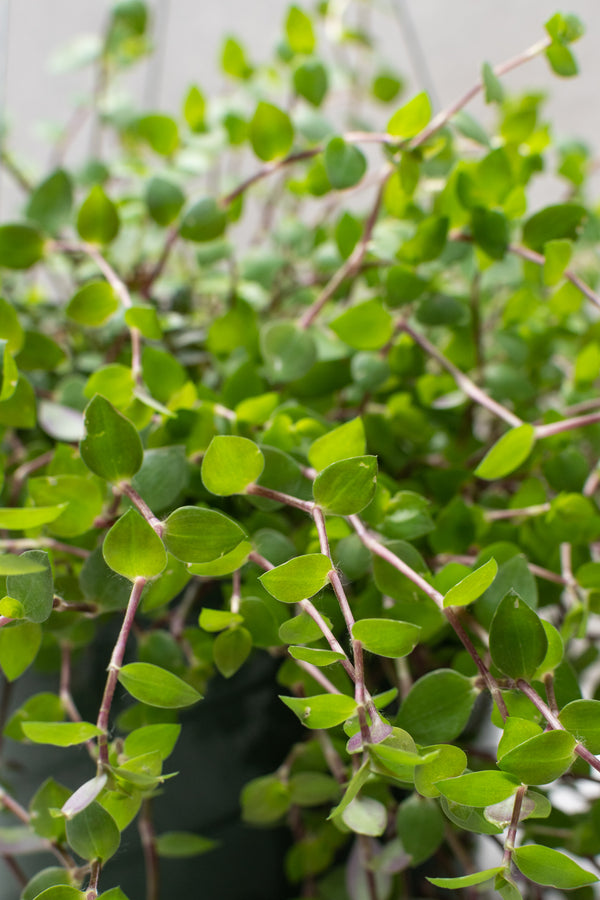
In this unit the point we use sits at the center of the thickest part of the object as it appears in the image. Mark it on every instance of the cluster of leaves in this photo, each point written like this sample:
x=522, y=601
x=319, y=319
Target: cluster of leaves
x=374, y=434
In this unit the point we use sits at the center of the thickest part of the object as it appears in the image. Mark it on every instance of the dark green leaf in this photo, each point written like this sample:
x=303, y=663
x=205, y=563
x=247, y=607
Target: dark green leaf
x=164, y=199
x=553, y=223
x=420, y=827
x=93, y=833
x=112, y=447
x=518, y=641
x=345, y=163
x=204, y=221
x=264, y=800
x=490, y=231
x=494, y=92
x=98, y=218
x=311, y=81
x=21, y=246
x=50, y=203
x=347, y=486
x=437, y=706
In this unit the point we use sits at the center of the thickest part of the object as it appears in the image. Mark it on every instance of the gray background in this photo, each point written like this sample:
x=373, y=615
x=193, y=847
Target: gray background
x=438, y=44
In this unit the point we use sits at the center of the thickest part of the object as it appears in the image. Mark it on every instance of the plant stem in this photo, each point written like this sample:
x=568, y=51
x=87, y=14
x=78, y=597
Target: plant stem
x=142, y=507
x=354, y=261
x=495, y=515
x=114, y=666
x=511, y=835
x=16, y=869
x=151, y=860
x=258, y=490
x=543, y=431
x=92, y=888
x=465, y=384
x=569, y=274
x=311, y=610
x=319, y=677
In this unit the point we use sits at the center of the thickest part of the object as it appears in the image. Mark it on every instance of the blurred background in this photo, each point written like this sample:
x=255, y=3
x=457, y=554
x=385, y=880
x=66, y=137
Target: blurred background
x=436, y=44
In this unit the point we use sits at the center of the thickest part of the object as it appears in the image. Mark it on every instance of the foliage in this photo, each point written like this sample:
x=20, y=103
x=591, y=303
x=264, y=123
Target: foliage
x=371, y=427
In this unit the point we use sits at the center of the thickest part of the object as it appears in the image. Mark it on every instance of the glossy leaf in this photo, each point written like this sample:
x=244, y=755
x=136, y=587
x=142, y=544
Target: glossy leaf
x=546, y=866
x=323, y=710
x=541, y=759
x=150, y=738
x=473, y=586
x=16, y=519
x=479, y=789
x=157, y=687
x=314, y=656
x=507, y=454
x=347, y=486
x=133, y=549
x=518, y=641
x=230, y=464
x=448, y=762
x=112, y=447
x=386, y=637
x=93, y=833
x=299, y=578
x=218, y=619
x=198, y=535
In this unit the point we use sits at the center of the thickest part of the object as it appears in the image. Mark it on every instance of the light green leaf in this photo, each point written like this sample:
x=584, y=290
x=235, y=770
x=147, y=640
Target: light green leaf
x=299, y=31
x=271, y=132
x=82, y=497
x=21, y=246
x=323, y=710
x=479, y=789
x=225, y=564
x=400, y=762
x=556, y=222
x=50, y=877
x=17, y=519
x=365, y=326
x=152, y=738
x=230, y=464
x=60, y=734
x=112, y=447
x=218, y=619
x=233, y=59
x=197, y=535
x=145, y=319
x=557, y=256
x=466, y=880
x=133, y=549
x=473, y=586
x=516, y=731
x=494, y=92
x=354, y=785
x=182, y=844
x=164, y=200
x=19, y=645
x=157, y=687
x=348, y=440
x=159, y=131
x=34, y=590
x=582, y=719
x=299, y=578
x=518, y=641
x=345, y=164
x=93, y=833
x=301, y=629
x=550, y=867
x=288, y=351
x=315, y=656
x=264, y=800
x=347, y=486
x=194, y=110
x=18, y=565
x=231, y=649
x=93, y=304
x=541, y=759
x=364, y=815
x=507, y=454
x=386, y=637
x=61, y=892
x=411, y=118
x=98, y=218
x=562, y=62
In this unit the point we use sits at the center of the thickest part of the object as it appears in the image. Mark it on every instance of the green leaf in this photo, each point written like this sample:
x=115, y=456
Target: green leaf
x=565, y=28
x=403, y=285
x=311, y=81
x=466, y=880
x=201, y=535
x=182, y=844
x=194, y=110
x=411, y=118
x=82, y=497
x=157, y=687
x=490, y=231
x=60, y=892
x=348, y=440
x=98, y=218
x=93, y=304
x=347, y=486
x=516, y=731
x=264, y=800
x=288, y=351
x=152, y=738
x=315, y=656
x=323, y=710
x=11, y=329
x=19, y=410
x=112, y=447
x=231, y=650
x=15, y=519
x=299, y=31
x=164, y=200
x=60, y=734
x=50, y=203
x=114, y=382
x=84, y=795
x=542, y=865
x=420, y=827
x=494, y=92
x=448, y=762
x=225, y=564
x=398, y=761
x=93, y=833
x=518, y=642
x=562, y=62
x=560, y=221
x=218, y=619
x=437, y=706
x=204, y=221
x=233, y=60
x=557, y=256
x=159, y=131
x=133, y=549
x=365, y=815
x=19, y=645
x=145, y=319
x=582, y=719
x=541, y=759
x=34, y=590
x=299, y=578
x=230, y=464
x=271, y=132
x=345, y=164
x=386, y=637
x=473, y=586
x=47, y=878
x=554, y=653
x=301, y=629
x=312, y=788
x=428, y=241
x=508, y=453
x=21, y=246
x=479, y=789
x=365, y=326
x=113, y=894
